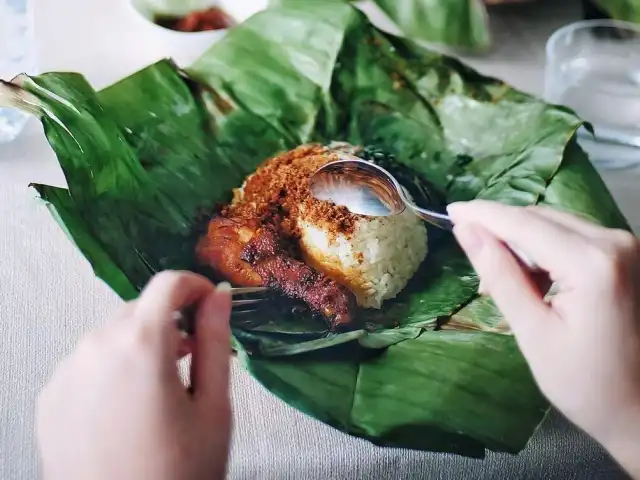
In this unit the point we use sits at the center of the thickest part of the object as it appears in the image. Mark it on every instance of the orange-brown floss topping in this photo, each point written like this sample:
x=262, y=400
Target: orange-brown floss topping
x=279, y=191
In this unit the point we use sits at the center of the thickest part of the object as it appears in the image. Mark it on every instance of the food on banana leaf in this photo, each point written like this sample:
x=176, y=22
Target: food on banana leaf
x=274, y=233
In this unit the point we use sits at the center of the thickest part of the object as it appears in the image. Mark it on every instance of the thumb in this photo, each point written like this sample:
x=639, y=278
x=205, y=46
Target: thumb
x=212, y=346
x=502, y=276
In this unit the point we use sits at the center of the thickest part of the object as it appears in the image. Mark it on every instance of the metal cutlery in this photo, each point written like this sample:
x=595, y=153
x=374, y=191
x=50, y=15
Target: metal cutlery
x=186, y=318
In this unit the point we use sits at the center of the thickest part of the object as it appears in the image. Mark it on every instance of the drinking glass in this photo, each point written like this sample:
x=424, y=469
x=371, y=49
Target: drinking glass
x=593, y=67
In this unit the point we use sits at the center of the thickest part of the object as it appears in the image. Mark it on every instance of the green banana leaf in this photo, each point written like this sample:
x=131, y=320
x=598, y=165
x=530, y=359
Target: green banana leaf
x=456, y=23
x=146, y=160
x=628, y=10
x=461, y=23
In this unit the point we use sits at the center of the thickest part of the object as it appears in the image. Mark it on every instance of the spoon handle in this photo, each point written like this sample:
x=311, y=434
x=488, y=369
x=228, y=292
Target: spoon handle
x=440, y=220
x=444, y=222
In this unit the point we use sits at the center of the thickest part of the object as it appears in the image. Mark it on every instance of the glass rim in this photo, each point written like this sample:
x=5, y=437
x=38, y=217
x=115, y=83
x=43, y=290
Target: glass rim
x=583, y=24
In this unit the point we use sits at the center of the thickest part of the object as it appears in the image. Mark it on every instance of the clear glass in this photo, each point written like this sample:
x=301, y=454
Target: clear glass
x=17, y=55
x=593, y=67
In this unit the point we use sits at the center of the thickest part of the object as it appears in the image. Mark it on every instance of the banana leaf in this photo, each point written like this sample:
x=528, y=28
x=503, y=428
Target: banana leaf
x=628, y=10
x=455, y=23
x=147, y=158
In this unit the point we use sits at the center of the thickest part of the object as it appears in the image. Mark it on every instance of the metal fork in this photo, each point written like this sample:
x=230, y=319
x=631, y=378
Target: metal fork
x=237, y=305
x=186, y=318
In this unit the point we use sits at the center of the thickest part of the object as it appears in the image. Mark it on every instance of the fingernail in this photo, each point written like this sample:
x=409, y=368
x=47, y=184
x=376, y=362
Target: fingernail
x=223, y=287
x=482, y=289
x=453, y=209
x=468, y=238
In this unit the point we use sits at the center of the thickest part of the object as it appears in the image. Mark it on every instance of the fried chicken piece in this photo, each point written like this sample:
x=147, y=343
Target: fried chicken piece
x=249, y=254
x=297, y=280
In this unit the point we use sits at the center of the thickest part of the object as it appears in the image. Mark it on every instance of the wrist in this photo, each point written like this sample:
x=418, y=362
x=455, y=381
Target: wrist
x=622, y=440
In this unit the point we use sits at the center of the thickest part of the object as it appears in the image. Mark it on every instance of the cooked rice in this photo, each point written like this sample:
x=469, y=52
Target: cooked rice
x=375, y=262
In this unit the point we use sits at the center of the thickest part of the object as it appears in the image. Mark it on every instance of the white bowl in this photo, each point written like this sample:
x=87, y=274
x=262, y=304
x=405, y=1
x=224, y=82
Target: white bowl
x=185, y=47
x=238, y=10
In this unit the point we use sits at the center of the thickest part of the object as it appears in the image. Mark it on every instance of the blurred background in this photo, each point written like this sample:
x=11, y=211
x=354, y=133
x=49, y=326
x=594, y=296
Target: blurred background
x=594, y=68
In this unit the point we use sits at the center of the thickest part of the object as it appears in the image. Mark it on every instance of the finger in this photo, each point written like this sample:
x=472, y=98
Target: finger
x=554, y=247
x=125, y=310
x=573, y=222
x=540, y=279
x=167, y=293
x=502, y=277
x=210, y=361
x=119, y=320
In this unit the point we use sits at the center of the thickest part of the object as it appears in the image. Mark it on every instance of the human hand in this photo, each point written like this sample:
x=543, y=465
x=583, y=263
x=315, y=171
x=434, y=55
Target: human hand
x=583, y=345
x=116, y=408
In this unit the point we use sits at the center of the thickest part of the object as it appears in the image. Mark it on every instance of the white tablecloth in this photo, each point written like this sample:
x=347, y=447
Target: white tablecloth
x=49, y=296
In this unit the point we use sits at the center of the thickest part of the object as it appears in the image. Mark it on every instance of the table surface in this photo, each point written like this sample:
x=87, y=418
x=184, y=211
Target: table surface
x=49, y=296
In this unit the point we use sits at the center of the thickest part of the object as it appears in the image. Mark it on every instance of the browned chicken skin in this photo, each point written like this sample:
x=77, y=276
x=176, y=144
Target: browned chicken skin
x=221, y=250
x=247, y=254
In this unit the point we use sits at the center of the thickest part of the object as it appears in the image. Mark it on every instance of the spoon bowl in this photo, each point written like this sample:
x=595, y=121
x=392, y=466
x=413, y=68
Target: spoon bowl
x=368, y=189
x=364, y=188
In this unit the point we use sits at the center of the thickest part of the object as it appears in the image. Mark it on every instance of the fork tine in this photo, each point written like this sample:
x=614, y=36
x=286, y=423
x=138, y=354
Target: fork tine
x=242, y=312
x=185, y=319
x=247, y=290
x=239, y=303
x=239, y=306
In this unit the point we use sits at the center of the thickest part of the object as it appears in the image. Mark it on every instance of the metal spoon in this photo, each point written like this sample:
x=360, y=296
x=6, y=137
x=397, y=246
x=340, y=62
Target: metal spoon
x=367, y=189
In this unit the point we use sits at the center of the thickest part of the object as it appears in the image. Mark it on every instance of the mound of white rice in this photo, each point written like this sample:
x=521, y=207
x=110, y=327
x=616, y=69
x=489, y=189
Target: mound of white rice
x=375, y=262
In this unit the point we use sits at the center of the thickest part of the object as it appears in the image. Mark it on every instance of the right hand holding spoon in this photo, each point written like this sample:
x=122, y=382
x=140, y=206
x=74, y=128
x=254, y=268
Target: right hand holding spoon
x=583, y=346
